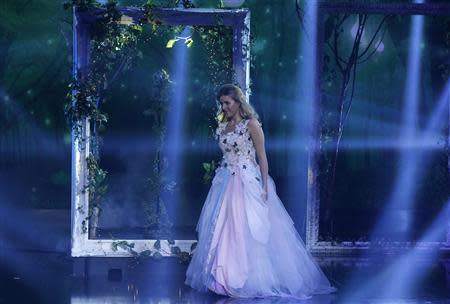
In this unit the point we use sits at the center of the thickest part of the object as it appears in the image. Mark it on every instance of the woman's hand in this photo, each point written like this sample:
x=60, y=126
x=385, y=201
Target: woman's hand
x=264, y=194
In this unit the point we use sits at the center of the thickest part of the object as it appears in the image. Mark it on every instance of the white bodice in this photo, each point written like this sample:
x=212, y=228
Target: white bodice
x=237, y=146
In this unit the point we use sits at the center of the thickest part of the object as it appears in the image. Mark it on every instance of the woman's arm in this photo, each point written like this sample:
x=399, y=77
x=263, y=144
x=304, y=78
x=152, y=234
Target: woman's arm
x=257, y=136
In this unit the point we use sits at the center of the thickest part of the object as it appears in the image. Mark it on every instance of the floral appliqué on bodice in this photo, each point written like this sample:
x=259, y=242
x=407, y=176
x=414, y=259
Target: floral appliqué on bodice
x=236, y=145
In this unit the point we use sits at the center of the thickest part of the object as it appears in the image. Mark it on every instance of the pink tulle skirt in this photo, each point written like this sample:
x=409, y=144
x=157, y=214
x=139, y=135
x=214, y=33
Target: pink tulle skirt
x=248, y=247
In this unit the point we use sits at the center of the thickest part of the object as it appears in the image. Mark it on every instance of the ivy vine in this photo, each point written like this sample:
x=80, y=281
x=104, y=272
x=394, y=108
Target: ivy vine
x=158, y=222
x=156, y=252
x=209, y=168
x=112, y=50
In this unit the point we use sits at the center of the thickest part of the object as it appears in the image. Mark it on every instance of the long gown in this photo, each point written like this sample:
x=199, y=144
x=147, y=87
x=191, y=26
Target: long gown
x=248, y=247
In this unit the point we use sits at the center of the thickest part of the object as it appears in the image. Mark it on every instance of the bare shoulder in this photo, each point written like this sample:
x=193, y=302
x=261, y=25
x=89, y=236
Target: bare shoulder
x=254, y=127
x=254, y=124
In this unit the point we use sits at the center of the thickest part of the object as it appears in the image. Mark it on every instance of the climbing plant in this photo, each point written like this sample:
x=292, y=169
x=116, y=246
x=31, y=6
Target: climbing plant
x=158, y=222
x=113, y=49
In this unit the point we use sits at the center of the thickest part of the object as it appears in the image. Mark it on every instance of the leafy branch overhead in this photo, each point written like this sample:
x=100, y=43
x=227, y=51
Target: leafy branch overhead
x=187, y=40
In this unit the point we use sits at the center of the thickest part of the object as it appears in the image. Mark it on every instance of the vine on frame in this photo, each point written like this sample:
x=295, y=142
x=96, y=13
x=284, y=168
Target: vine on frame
x=158, y=222
x=112, y=50
x=97, y=188
x=209, y=168
x=156, y=252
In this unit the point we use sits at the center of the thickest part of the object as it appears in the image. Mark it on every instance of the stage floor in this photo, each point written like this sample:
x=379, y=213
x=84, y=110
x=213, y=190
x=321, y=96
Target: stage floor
x=44, y=277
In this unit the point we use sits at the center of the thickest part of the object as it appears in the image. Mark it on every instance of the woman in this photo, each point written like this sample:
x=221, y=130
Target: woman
x=247, y=244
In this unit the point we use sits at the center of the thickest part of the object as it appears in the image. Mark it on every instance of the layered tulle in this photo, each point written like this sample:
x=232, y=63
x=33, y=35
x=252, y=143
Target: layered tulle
x=248, y=247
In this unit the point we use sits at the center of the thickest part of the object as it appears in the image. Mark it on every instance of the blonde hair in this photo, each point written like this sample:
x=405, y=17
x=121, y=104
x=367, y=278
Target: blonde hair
x=246, y=109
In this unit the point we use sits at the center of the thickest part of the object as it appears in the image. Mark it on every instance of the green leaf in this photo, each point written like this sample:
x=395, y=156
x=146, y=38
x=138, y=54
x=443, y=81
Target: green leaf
x=193, y=246
x=137, y=27
x=146, y=253
x=189, y=42
x=157, y=255
x=170, y=43
x=175, y=250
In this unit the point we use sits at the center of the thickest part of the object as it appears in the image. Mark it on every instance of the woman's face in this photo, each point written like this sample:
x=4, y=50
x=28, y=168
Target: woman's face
x=229, y=106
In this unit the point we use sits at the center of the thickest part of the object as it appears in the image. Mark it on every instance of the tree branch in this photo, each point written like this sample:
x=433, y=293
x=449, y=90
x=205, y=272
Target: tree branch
x=373, y=37
x=336, y=52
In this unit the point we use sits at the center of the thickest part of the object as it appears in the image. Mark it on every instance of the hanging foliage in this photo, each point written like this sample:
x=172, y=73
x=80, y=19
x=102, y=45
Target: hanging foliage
x=112, y=49
x=158, y=222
